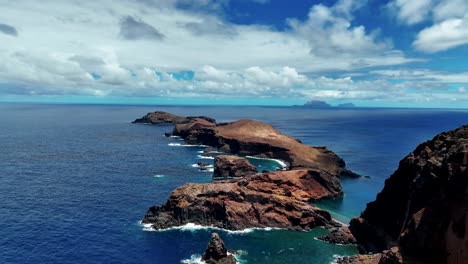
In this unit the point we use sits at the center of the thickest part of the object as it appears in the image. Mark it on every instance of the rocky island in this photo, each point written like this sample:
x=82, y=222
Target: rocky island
x=164, y=118
x=277, y=199
x=216, y=252
x=421, y=215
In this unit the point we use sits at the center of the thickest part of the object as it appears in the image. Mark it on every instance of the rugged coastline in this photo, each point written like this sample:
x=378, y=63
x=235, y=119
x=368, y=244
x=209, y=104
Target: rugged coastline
x=272, y=199
x=421, y=215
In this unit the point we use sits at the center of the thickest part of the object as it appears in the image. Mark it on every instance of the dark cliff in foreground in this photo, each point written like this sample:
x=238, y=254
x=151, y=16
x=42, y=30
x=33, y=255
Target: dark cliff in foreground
x=422, y=211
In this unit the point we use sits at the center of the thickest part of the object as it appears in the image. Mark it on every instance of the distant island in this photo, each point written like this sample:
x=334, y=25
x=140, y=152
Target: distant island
x=323, y=105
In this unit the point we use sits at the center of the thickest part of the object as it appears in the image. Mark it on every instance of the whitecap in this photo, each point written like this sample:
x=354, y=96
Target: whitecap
x=197, y=258
x=204, y=157
x=191, y=227
x=186, y=145
x=194, y=259
x=282, y=164
x=335, y=259
x=159, y=176
x=198, y=166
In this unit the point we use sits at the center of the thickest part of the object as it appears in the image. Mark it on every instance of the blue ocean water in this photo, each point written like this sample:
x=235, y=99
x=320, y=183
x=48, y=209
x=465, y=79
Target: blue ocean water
x=75, y=180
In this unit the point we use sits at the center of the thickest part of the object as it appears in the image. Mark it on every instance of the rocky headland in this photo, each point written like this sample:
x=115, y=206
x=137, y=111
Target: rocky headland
x=280, y=199
x=164, y=118
x=248, y=137
x=421, y=215
x=216, y=252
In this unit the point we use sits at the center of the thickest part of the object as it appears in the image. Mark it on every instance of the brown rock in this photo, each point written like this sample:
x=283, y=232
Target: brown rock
x=164, y=118
x=424, y=205
x=249, y=137
x=340, y=235
x=216, y=252
x=391, y=256
x=232, y=166
x=278, y=199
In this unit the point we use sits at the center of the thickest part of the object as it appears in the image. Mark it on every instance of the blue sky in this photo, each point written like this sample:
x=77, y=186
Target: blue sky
x=401, y=53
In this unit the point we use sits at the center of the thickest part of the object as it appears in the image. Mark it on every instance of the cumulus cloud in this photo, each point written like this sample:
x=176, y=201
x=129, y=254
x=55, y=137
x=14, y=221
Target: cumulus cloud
x=411, y=11
x=92, y=54
x=8, y=30
x=133, y=29
x=449, y=22
x=447, y=34
x=329, y=32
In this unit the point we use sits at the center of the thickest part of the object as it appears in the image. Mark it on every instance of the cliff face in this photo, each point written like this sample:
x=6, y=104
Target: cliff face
x=249, y=137
x=423, y=207
x=276, y=199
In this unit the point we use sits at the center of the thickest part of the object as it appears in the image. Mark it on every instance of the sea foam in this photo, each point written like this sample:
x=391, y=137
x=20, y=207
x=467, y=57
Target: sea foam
x=204, y=157
x=185, y=145
x=282, y=164
x=191, y=227
x=197, y=258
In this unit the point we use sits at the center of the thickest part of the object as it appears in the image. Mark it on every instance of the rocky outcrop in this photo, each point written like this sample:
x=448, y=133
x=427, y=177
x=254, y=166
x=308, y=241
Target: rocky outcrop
x=164, y=118
x=391, y=256
x=216, y=252
x=278, y=199
x=423, y=207
x=339, y=235
x=249, y=137
x=227, y=166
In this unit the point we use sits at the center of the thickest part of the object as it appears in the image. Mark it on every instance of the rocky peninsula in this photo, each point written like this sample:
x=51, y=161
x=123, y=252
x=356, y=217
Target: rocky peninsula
x=248, y=137
x=280, y=199
x=421, y=215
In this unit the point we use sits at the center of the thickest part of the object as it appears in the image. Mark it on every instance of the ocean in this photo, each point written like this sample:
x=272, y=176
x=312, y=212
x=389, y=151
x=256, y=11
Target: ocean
x=75, y=180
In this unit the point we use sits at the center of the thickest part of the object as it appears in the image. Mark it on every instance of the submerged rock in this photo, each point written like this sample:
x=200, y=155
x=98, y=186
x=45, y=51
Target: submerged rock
x=232, y=166
x=216, y=252
x=164, y=118
x=423, y=207
x=278, y=199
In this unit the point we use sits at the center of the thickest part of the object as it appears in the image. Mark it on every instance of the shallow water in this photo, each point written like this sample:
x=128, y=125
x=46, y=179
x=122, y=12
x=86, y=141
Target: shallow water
x=75, y=180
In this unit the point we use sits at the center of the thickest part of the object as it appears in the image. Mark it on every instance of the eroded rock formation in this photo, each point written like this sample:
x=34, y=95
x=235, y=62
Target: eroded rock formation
x=423, y=208
x=278, y=199
x=249, y=137
x=216, y=252
x=228, y=166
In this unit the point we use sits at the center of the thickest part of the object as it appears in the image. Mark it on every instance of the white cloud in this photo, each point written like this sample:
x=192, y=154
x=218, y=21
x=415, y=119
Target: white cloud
x=447, y=34
x=411, y=11
x=449, y=19
x=424, y=75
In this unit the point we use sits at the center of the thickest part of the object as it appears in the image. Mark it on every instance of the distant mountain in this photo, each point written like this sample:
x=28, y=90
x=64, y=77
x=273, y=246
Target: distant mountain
x=317, y=104
x=346, y=105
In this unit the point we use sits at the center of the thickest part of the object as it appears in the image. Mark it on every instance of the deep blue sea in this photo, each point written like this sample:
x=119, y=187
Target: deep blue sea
x=75, y=180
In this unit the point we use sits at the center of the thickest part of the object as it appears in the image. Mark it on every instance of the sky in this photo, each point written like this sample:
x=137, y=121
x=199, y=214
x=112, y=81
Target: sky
x=395, y=53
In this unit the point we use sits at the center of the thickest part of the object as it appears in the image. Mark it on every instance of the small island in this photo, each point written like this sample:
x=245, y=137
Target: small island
x=317, y=104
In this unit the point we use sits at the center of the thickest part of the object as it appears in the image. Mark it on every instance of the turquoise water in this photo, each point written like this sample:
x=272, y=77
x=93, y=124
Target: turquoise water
x=75, y=180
